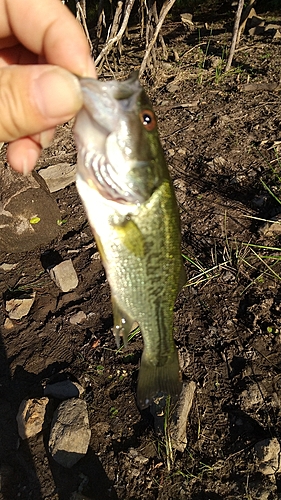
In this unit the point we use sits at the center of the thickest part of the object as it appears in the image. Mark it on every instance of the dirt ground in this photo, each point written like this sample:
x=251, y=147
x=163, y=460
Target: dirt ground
x=221, y=142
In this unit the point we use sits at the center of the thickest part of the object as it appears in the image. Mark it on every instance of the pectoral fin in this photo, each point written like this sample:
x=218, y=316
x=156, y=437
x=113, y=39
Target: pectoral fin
x=122, y=323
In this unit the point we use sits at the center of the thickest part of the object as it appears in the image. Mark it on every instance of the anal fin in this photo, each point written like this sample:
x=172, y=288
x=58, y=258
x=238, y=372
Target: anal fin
x=122, y=324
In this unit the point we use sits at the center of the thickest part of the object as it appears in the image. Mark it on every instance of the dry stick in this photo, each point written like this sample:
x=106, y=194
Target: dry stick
x=116, y=19
x=164, y=11
x=101, y=20
x=244, y=19
x=149, y=29
x=81, y=18
x=235, y=34
x=83, y=7
x=112, y=41
x=142, y=6
x=161, y=39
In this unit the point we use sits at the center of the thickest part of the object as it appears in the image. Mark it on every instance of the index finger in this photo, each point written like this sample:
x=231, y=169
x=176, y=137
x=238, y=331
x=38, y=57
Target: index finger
x=48, y=29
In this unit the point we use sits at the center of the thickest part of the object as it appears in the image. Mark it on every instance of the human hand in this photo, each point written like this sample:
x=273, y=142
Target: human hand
x=41, y=45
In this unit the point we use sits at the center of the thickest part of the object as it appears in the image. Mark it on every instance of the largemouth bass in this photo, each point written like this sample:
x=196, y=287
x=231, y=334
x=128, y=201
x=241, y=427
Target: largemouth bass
x=124, y=184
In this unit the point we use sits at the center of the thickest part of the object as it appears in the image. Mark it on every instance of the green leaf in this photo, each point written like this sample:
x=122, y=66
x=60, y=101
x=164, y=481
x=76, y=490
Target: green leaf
x=34, y=220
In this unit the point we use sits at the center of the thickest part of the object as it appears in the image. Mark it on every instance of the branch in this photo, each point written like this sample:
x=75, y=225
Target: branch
x=235, y=34
x=116, y=39
x=164, y=11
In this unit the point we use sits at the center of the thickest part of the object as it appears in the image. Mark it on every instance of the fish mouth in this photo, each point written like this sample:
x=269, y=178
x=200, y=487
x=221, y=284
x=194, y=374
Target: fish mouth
x=105, y=178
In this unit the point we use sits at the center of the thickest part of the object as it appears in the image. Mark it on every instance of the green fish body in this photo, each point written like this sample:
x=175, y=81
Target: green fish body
x=124, y=184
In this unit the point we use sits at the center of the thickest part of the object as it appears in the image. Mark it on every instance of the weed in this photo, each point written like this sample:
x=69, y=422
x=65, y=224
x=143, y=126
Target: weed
x=205, y=274
x=132, y=334
x=113, y=412
x=168, y=442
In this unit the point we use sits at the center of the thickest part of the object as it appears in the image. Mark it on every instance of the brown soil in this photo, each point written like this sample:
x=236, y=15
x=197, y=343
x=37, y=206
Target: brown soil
x=220, y=143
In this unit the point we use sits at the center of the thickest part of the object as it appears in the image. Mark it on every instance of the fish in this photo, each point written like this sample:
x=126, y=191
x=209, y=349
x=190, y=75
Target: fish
x=126, y=189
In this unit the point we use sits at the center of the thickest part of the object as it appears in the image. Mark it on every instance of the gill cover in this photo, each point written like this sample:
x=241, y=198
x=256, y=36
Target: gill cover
x=117, y=138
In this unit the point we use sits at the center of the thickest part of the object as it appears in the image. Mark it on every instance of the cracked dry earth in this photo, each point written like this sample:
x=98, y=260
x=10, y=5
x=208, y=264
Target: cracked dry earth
x=222, y=145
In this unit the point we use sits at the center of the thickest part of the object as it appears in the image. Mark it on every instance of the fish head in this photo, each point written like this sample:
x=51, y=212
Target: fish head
x=119, y=151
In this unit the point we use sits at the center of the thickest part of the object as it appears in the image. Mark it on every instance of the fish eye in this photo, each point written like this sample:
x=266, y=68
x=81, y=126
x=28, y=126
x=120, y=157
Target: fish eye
x=148, y=119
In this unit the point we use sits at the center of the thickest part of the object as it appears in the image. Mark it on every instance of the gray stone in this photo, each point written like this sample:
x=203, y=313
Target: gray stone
x=28, y=213
x=8, y=267
x=31, y=417
x=77, y=318
x=186, y=19
x=70, y=432
x=58, y=176
x=179, y=421
x=19, y=307
x=64, y=275
x=66, y=389
x=252, y=396
x=272, y=227
x=268, y=456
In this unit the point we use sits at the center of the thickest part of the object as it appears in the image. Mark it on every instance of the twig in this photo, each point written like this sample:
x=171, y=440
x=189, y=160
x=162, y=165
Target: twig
x=117, y=38
x=81, y=16
x=235, y=34
x=164, y=11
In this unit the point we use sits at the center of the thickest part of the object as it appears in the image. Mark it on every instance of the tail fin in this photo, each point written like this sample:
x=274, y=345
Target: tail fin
x=158, y=379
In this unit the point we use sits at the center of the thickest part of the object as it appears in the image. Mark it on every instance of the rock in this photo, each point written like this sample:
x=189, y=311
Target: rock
x=58, y=176
x=70, y=432
x=172, y=87
x=252, y=396
x=137, y=457
x=272, y=28
x=268, y=456
x=256, y=21
x=66, y=389
x=179, y=419
x=8, y=267
x=181, y=189
x=262, y=490
x=186, y=19
x=31, y=417
x=258, y=30
x=28, y=213
x=19, y=307
x=182, y=152
x=8, y=325
x=64, y=275
x=252, y=14
x=277, y=35
x=272, y=227
x=77, y=318
x=215, y=61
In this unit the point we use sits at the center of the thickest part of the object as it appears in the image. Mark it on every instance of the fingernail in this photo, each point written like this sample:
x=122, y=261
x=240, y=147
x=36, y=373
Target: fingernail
x=90, y=70
x=25, y=169
x=45, y=138
x=29, y=161
x=57, y=94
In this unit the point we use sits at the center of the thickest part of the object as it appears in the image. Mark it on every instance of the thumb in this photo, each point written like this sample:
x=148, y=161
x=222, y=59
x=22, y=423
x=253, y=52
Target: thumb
x=34, y=98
